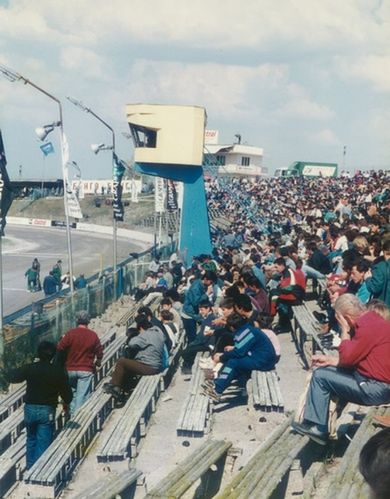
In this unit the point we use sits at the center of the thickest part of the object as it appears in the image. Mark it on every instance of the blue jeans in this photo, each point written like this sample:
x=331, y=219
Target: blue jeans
x=81, y=384
x=39, y=421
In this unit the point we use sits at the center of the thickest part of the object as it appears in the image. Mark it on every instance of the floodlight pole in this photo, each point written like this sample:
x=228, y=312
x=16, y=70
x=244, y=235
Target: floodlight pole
x=114, y=222
x=12, y=76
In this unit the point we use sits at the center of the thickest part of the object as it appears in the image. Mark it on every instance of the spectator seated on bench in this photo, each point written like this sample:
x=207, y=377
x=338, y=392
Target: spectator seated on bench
x=261, y=320
x=167, y=304
x=360, y=374
x=147, y=312
x=204, y=341
x=146, y=355
x=252, y=351
x=291, y=291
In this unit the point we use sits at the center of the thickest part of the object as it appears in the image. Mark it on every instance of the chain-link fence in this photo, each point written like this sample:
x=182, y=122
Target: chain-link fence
x=49, y=319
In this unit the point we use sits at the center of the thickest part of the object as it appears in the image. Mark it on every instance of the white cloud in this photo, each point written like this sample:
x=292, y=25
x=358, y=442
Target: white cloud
x=81, y=59
x=325, y=137
x=255, y=24
x=222, y=89
x=299, y=104
x=372, y=68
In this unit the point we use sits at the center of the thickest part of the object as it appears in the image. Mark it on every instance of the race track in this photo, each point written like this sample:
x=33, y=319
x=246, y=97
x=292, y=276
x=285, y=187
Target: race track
x=22, y=244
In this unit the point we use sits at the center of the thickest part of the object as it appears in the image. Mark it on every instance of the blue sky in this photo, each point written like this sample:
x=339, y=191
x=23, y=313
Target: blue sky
x=300, y=78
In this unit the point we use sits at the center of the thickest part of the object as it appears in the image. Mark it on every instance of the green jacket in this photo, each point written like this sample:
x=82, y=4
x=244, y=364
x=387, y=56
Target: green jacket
x=379, y=283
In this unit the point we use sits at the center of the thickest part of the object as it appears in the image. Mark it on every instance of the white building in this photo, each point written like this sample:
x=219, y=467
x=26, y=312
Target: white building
x=234, y=159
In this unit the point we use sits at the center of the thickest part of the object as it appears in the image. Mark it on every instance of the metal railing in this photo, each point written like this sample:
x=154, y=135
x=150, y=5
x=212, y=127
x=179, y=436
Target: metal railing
x=51, y=317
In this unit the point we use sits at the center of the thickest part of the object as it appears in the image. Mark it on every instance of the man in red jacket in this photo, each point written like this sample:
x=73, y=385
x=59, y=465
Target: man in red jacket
x=361, y=372
x=290, y=291
x=84, y=353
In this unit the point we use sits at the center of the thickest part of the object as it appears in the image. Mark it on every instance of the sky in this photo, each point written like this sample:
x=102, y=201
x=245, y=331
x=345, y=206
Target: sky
x=299, y=78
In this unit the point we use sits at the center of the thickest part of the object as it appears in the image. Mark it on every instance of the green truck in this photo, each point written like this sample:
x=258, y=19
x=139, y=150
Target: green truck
x=308, y=169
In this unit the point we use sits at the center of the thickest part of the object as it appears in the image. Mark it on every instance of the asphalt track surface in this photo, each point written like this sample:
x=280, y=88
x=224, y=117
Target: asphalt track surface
x=22, y=244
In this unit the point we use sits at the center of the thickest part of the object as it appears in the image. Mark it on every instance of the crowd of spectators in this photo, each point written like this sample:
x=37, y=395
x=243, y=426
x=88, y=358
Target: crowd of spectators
x=278, y=232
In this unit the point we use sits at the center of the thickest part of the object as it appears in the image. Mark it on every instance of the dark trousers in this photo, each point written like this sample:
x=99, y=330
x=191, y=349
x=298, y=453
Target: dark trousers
x=190, y=329
x=190, y=352
x=347, y=386
x=125, y=368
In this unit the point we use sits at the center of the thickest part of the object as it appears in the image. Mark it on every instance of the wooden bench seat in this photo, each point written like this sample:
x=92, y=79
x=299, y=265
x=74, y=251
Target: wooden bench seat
x=136, y=413
x=11, y=402
x=347, y=482
x=128, y=316
x=11, y=428
x=121, y=442
x=262, y=474
x=195, y=415
x=197, y=465
x=265, y=391
x=112, y=485
x=10, y=464
x=305, y=333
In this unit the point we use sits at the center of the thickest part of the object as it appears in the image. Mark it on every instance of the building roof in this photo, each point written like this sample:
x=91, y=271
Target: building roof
x=233, y=148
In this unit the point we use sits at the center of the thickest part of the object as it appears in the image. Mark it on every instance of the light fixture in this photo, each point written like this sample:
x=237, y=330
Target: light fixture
x=43, y=131
x=100, y=147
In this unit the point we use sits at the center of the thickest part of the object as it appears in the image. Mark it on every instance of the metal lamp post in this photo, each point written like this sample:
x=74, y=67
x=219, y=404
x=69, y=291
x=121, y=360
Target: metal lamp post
x=96, y=148
x=42, y=133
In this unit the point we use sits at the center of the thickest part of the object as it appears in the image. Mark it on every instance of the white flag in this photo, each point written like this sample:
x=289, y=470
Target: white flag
x=159, y=195
x=134, y=192
x=74, y=209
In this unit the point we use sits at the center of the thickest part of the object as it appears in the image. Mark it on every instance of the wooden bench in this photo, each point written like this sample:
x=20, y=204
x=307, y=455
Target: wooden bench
x=265, y=392
x=208, y=459
x=122, y=441
x=10, y=465
x=128, y=316
x=305, y=333
x=112, y=485
x=195, y=415
x=55, y=467
x=10, y=429
x=347, y=482
x=11, y=402
x=262, y=474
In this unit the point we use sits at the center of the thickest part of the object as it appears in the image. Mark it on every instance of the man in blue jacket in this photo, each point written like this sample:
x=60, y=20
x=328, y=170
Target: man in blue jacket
x=195, y=294
x=252, y=351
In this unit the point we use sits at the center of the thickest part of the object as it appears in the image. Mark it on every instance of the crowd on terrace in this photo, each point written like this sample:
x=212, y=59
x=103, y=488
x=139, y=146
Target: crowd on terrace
x=269, y=237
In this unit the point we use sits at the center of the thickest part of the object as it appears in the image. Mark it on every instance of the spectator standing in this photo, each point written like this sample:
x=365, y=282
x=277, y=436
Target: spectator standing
x=31, y=275
x=37, y=266
x=50, y=284
x=80, y=282
x=84, y=353
x=57, y=273
x=45, y=382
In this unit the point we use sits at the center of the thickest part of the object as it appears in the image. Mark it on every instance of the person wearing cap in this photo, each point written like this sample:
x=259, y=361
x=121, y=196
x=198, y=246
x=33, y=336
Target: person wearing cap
x=83, y=353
